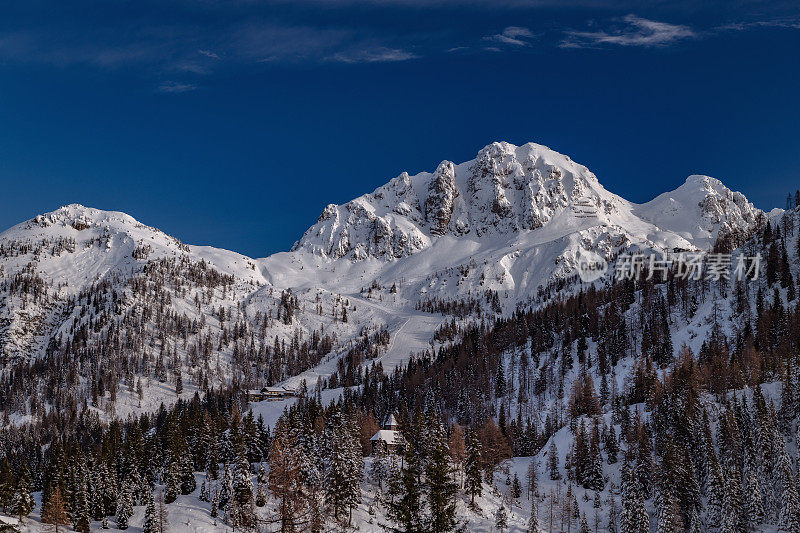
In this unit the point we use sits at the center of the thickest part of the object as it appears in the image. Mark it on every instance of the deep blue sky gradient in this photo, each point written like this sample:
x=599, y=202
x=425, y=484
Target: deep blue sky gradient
x=309, y=103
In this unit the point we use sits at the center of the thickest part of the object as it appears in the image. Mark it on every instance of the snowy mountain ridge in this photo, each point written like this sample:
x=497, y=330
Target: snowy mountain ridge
x=510, y=222
x=508, y=189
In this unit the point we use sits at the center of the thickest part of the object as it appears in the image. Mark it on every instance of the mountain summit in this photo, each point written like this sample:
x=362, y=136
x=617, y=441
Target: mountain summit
x=509, y=190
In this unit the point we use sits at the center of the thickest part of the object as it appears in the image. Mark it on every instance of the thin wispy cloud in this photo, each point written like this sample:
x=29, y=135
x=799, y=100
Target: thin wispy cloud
x=633, y=31
x=744, y=26
x=218, y=37
x=376, y=55
x=513, y=35
x=208, y=53
x=174, y=87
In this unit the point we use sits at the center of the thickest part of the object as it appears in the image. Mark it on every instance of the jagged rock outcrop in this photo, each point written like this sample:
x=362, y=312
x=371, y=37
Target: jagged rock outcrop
x=442, y=193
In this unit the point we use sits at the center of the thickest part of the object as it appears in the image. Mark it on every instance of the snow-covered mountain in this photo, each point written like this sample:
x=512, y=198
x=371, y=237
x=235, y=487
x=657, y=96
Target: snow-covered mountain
x=511, y=221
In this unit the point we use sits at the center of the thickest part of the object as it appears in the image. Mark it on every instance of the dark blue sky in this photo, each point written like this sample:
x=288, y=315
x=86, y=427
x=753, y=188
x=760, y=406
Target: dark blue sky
x=234, y=123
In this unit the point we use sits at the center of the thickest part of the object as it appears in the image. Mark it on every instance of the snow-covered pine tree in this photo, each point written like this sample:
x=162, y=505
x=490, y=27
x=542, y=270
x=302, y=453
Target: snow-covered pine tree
x=516, y=487
x=172, y=481
x=473, y=482
x=124, y=507
x=205, y=493
x=753, y=506
x=96, y=488
x=379, y=469
x=242, y=482
x=440, y=487
x=261, y=488
x=734, y=518
x=552, y=461
x=343, y=466
x=22, y=501
x=634, y=517
x=584, y=524
x=579, y=458
x=110, y=489
x=161, y=513
x=81, y=515
x=214, y=511
x=226, y=490
x=611, y=444
x=669, y=517
x=501, y=518
x=533, y=521
x=613, y=515
x=150, y=524
x=593, y=476
x=404, y=506
x=715, y=493
x=188, y=483
x=790, y=504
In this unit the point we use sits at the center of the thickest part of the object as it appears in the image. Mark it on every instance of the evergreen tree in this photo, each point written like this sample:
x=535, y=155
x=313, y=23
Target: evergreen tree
x=81, y=511
x=669, y=518
x=214, y=511
x=379, y=469
x=161, y=515
x=150, y=519
x=501, y=518
x=110, y=490
x=634, y=515
x=593, y=477
x=343, y=466
x=261, y=489
x=734, y=517
x=405, y=506
x=516, y=487
x=716, y=495
x=172, y=482
x=124, y=508
x=532, y=480
x=584, y=524
x=552, y=461
x=790, y=504
x=205, y=489
x=613, y=513
x=23, y=501
x=472, y=467
x=441, y=489
x=188, y=483
x=226, y=489
x=533, y=521
x=612, y=446
x=242, y=484
x=754, y=508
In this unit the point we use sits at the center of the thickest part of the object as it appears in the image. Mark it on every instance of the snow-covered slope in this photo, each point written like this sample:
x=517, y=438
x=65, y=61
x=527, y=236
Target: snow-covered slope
x=701, y=210
x=510, y=221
